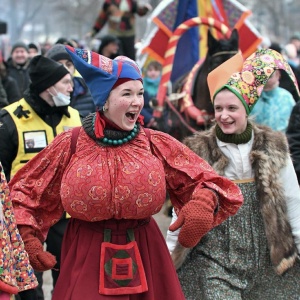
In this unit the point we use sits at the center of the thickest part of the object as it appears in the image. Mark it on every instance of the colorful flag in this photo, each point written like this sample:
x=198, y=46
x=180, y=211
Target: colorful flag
x=162, y=23
x=169, y=14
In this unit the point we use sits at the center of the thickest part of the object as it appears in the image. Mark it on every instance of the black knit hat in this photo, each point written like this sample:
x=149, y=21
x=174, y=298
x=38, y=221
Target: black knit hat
x=106, y=40
x=33, y=46
x=45, y=72
x=19, y=44
x=58, y=52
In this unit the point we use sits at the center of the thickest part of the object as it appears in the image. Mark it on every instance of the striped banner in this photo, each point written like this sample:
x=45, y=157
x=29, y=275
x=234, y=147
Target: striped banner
x=171, y=50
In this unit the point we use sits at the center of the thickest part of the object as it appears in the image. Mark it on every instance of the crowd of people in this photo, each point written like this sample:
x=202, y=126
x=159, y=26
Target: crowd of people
x=84, y=168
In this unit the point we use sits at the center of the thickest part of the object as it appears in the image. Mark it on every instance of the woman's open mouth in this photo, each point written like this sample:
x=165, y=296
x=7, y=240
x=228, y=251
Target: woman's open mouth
x=131, y=116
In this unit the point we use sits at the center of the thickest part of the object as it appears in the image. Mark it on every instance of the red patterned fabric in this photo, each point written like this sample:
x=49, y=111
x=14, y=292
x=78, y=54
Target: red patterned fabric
x=124, y=182
x=113, y=187
x=16, y=272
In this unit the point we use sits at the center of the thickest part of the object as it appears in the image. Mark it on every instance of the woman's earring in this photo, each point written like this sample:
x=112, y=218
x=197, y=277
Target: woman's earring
x=104, y=109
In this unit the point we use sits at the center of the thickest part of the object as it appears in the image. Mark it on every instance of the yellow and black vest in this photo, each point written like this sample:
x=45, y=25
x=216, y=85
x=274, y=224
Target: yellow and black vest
x=33, y=133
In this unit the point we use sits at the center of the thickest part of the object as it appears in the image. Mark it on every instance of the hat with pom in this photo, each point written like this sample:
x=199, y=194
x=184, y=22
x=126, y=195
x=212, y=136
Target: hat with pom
x=102, y=73
x=33, y=46
x=248, y=82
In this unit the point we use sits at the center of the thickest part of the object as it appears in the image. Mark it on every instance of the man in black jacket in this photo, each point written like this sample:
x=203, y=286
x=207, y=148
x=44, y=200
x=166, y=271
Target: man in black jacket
x=17, y=65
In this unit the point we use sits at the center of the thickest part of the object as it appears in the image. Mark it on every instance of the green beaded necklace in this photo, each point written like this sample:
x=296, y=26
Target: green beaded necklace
x=118, y=141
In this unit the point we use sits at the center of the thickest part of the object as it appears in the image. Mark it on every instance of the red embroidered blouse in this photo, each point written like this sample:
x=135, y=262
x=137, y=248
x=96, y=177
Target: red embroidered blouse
x=103, y=182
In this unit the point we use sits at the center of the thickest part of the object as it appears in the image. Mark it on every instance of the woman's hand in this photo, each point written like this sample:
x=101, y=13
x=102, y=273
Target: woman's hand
x=6, y=290
x=196, y=218
x=39, y=259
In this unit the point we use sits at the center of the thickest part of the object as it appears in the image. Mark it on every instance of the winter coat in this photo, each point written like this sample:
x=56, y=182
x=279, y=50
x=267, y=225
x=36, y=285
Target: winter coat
x=3, y=96
x=20, y=74
x=81, y=98
x=12, y=91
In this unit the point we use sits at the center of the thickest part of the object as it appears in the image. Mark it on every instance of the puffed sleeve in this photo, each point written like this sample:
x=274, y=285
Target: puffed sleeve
x=187, y=174
x=35, y=188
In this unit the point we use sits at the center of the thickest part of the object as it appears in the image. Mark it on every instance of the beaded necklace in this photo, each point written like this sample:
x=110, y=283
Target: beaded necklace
x=118, y=141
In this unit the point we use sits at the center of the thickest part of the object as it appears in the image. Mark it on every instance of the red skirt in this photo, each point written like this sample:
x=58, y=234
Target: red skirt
x=80, y=261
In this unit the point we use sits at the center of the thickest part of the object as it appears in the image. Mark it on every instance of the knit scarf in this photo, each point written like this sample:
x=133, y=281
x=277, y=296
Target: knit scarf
x=241, y=138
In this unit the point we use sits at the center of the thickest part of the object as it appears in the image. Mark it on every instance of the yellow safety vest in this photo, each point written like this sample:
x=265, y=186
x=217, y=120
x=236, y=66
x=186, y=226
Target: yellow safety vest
x=34, y=134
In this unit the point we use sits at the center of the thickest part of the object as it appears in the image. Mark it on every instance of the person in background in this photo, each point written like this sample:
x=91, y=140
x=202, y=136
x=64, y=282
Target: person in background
x=295, y=39
x=290, y=52
x=120, y=16
x=275, y=105
x=111, y=175
x=109, y=46
x=16, y=272
x=253, y=254
x=81, y=98
x=9, y=84
x=33, y=50
x=45, y=46
x=64, y=41
x=41, y=114
x=17, y=65
x=276, y=46
x=3, y=96
x=151, y=81
x=28, y=125
x=75, y=43
x=293, y=136
x=152, y=78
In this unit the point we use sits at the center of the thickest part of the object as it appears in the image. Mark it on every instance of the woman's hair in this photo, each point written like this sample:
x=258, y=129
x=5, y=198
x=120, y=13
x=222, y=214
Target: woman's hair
x=155, y=64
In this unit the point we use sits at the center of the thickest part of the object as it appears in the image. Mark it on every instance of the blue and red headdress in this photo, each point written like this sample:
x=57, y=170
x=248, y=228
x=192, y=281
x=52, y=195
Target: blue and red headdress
x=101, y=73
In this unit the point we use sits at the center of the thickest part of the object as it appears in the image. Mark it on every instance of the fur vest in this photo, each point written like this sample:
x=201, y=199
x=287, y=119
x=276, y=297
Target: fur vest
x=267, y=156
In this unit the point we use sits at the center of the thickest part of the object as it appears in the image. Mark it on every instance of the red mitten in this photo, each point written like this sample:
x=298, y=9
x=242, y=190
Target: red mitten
x=39, y=259
x=196, y=218
x=6, y=288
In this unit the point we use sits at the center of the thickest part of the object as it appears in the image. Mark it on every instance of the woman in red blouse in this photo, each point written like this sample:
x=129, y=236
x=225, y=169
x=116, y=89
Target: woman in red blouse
x=111, y=185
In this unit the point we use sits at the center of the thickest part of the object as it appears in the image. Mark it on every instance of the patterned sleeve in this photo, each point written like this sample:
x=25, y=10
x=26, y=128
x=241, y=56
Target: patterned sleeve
x=15, y=267
x=187, y=174
x=101, y=18
x=35, y=188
